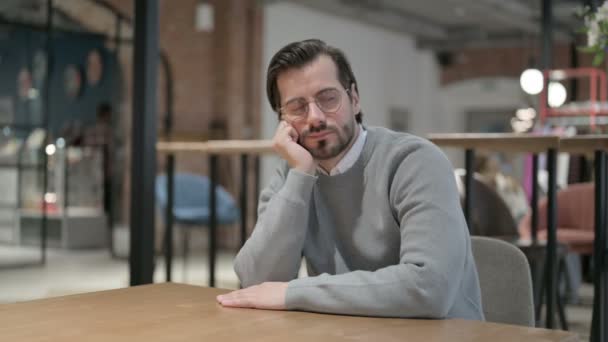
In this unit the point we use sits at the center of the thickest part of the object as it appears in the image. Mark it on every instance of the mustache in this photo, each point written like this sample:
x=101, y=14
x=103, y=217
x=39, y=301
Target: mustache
x=317, y=129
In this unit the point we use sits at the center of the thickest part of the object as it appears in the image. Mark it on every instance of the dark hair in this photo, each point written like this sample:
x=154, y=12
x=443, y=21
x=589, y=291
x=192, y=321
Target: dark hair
x=299, y=54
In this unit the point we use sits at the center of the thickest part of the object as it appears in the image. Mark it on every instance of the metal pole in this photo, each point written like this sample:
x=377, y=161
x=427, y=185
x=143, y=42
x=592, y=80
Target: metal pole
x=469, y=159
x=551, y=265
x=551, y=262
x=212, y=218
x=547, y=34
x=535, y=265
x=598, y=323
x=256, y=186
x=604, y=247
x=169, y=216
x=143, y=165
x=534, y=203
x=47, y=113
x=244, y=175
x=168, y=119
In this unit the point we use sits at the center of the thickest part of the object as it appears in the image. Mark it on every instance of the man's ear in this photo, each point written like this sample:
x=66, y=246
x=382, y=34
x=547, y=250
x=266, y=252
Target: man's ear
x=354, y=96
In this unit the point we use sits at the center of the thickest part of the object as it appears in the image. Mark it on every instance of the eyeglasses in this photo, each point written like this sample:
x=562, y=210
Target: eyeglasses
x=328, y=100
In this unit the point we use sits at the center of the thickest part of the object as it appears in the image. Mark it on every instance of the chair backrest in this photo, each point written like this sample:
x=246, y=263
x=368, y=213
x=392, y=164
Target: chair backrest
x=191, y=191
x=490, y=215
x=505, y=281
x=575, y=209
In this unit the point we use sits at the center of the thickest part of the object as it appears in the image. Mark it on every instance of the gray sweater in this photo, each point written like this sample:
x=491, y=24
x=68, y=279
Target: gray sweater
x=385, y=238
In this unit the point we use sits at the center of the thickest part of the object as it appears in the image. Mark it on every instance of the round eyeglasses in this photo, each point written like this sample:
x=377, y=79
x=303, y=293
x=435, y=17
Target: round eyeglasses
x=328, y=101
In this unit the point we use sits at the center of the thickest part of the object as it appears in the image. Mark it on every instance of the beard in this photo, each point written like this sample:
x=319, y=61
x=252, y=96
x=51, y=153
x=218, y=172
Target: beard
x=332, y=145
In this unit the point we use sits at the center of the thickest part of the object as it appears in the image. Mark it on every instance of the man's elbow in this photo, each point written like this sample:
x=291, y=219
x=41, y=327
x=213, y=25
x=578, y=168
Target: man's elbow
x=438, y=307
x=437, y=299
x=244, y=274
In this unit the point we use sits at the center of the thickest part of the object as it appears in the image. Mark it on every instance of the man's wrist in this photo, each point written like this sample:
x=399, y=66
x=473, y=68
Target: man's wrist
x=309, y=169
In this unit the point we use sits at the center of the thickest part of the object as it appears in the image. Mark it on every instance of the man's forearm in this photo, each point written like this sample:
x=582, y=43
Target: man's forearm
x=274, y=250
x=395, y=291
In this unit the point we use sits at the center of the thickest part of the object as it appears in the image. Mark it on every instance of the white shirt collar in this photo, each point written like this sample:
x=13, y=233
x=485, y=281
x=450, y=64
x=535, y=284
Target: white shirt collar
x=350, y=158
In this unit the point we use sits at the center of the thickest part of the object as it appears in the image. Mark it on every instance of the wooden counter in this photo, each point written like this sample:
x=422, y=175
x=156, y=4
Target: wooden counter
x=218, y=147
x=497, y=142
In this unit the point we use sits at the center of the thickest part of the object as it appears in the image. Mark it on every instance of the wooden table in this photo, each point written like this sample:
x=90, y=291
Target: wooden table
x=173, y=312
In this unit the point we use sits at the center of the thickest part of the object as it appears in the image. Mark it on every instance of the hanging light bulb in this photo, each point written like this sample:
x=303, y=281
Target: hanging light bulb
x=557, y=94
x=531, y=81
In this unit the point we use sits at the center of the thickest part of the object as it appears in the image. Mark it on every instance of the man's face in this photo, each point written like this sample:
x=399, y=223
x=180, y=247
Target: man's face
x=324, y=134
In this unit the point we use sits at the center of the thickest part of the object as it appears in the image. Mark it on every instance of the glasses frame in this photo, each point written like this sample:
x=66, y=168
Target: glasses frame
x=305, y=115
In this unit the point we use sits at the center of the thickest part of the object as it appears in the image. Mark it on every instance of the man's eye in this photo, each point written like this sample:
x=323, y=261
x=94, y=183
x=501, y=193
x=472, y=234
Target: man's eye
x=297, y=108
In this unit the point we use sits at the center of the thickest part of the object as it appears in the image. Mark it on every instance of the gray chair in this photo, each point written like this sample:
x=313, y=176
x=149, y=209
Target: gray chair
x=506, y=285
x=491, y=217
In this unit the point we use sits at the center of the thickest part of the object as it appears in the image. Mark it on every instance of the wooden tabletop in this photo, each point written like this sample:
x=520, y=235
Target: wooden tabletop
x=218, y=147
x=502, y=142
x=173, y=312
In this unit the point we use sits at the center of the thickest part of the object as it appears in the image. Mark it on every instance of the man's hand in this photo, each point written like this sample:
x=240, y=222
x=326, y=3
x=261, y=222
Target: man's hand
x=285, y=143
x=269, y=296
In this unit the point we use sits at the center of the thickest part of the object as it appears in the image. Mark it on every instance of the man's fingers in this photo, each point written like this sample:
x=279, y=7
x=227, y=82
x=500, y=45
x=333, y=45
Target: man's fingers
x=235, y=299
x=284, y=135
x=293, y=134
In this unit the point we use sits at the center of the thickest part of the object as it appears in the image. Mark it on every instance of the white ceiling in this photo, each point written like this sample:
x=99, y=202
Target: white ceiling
x=445, y=24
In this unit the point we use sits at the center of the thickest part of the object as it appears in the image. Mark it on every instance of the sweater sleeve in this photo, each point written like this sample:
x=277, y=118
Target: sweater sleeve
x=274, y=250
x=433, y=251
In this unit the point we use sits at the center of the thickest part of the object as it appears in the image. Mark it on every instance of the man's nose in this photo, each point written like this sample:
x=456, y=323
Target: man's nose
x=315, y=114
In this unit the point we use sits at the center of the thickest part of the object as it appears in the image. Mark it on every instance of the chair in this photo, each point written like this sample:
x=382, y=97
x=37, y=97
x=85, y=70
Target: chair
x=505, y=281
x=491, y=217
x=191, y=204
x=575, y=218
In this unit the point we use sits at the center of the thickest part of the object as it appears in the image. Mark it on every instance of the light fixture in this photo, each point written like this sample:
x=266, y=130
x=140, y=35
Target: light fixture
x=531, y=81
x=50, y=149
x=50, y=197
x=204, y=19
x=32, y=93
x=557, y=94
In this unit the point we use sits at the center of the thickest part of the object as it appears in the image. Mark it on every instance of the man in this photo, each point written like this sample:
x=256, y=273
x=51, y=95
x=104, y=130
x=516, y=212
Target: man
x=375, y=213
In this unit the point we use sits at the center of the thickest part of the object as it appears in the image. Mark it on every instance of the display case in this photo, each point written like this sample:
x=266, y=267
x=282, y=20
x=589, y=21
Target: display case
x=73, y=200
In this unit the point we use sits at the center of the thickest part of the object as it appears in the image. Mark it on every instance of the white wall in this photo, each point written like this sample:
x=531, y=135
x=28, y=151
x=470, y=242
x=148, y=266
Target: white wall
x=390, y=70
x=477, y=94
x=456, y=99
